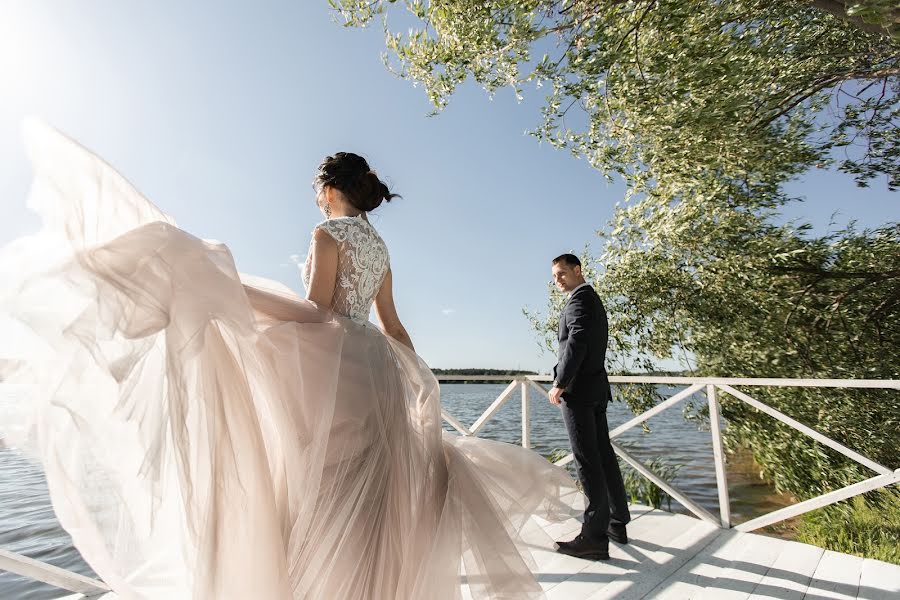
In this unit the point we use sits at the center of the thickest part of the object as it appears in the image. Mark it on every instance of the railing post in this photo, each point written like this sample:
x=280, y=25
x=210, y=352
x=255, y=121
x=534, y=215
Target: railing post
x=719, y=456
x=526, y=410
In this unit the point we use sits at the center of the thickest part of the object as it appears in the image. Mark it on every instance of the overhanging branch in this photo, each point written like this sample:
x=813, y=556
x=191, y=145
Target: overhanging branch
x=839, y=9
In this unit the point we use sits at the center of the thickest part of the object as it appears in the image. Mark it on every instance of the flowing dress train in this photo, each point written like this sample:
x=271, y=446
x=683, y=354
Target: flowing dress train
x=197, y=449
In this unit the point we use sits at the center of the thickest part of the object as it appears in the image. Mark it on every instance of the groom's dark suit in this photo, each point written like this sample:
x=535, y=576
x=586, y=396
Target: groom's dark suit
x=581, y=372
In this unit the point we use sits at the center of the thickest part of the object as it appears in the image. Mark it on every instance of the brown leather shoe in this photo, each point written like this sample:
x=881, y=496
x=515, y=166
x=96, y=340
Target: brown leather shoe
x=581, y=547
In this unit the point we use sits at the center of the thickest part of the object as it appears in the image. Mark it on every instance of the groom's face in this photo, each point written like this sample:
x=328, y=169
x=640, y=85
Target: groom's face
x=566, y=277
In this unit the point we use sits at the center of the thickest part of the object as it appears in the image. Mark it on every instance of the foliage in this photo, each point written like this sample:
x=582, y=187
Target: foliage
x=638, y=488
x=867, y=526
x=473, y=371
x=741, y=297
x=879, y=16
x=557, y=454
x=705, y=109
x=679, y=97
x=473, y=374
x=642, y=490
x=768, y=302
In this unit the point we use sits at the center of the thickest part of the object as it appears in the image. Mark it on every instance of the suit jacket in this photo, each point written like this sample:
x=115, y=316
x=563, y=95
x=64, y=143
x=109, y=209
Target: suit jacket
x=583, y=336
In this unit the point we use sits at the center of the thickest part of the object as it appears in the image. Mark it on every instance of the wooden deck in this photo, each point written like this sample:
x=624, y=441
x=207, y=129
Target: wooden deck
x=671, y=556
x=677, y=556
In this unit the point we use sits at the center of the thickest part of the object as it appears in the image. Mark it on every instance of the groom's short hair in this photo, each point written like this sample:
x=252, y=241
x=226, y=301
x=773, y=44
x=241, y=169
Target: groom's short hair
x=569, y=259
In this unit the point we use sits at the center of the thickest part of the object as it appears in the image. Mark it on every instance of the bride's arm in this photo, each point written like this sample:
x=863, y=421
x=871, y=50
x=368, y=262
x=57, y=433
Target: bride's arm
x=323, y=274
x=278, y=307
x=387, y=313
x=323, y=269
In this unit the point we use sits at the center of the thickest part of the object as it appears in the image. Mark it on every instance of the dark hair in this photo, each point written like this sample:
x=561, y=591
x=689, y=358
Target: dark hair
x=569, y=259
x=350, y=173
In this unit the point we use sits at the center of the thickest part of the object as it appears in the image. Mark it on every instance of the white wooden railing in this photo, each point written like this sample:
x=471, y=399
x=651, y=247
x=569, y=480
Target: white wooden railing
x=712, y=385
x=88, y=587
x=51, y=575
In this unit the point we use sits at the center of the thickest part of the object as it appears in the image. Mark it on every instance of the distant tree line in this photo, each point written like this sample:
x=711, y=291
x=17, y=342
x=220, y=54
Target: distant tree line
x=475, y=373
x=498, y=372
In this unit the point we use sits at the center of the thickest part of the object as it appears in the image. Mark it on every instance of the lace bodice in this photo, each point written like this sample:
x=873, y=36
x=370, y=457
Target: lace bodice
x=362, y=265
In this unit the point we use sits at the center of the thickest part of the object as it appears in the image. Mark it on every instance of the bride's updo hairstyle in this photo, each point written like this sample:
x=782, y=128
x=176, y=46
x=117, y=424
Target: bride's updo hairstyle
x=350, y=173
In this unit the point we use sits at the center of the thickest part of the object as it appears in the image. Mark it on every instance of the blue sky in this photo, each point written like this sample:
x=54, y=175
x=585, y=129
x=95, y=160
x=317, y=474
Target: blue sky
x=220, y=112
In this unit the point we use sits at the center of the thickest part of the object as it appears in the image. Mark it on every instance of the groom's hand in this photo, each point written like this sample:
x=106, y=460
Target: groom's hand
x=556, y=395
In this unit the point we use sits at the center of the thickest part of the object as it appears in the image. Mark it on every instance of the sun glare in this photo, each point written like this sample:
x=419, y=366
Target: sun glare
x=25, y=38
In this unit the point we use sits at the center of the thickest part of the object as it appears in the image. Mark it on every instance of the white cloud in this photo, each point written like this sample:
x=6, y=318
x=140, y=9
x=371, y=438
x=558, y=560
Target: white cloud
x=448, y=311
x=296, y=258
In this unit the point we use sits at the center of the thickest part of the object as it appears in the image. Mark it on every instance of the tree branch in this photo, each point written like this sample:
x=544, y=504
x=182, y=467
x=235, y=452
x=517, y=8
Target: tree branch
x=824, y=274
x=839, y=10
x=824, y=83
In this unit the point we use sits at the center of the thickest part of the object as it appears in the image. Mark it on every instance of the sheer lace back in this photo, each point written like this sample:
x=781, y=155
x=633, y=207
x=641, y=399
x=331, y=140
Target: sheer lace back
x=362, y=265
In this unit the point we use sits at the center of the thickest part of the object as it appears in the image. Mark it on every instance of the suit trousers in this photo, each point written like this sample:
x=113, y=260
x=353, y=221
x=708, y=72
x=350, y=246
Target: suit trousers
x=597, y=468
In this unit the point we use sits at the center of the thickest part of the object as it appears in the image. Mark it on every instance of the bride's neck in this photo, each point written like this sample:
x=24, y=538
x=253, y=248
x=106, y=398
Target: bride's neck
x=346, y=212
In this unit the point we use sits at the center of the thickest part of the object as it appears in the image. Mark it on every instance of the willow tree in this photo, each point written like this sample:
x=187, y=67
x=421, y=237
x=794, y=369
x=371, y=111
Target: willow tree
x=705, y=109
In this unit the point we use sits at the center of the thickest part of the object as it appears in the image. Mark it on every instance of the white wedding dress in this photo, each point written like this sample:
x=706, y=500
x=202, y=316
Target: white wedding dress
x=196, y=449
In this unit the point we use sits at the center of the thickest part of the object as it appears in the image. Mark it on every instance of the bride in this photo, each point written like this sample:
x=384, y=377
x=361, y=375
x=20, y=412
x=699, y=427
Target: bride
x=208, y=434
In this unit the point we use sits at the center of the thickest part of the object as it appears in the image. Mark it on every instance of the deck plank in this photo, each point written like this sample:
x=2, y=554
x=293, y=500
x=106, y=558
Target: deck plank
x=665, y=559
x=678, y=557
x=791, y=573
x=565, y=529
x=879, y=580
x=837, y=576
x=738, y=581
x=586, y=576
x=692, y=578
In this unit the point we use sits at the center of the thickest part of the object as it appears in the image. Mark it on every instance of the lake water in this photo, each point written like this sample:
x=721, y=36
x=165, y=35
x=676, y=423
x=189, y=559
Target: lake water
x=28, y=525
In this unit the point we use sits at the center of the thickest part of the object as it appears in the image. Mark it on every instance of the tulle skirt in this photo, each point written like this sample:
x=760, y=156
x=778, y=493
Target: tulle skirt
x=194, y=448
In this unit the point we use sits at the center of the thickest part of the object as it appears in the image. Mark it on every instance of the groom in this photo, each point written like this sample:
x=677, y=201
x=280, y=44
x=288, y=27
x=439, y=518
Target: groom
x=580, y=385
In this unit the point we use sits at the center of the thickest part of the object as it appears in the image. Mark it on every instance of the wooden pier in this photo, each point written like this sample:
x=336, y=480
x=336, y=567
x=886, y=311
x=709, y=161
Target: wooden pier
x=704, y=556
x=672, y=556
